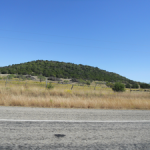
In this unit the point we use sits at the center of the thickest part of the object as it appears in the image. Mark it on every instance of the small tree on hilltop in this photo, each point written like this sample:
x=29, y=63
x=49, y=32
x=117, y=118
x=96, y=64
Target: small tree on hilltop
x=118, y=87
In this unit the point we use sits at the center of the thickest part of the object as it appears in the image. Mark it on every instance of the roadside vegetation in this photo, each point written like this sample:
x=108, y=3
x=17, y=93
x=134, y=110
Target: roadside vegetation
x=29, y=93
x=118, y=87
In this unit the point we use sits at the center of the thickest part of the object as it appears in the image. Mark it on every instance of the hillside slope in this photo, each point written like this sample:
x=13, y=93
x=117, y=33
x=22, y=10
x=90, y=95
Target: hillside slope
x=63, y=70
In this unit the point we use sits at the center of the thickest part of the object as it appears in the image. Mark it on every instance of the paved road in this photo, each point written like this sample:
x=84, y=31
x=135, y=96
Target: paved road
x=45, y=128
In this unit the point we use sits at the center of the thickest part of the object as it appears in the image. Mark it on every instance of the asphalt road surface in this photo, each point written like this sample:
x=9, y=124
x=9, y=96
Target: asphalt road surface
x=47, y=128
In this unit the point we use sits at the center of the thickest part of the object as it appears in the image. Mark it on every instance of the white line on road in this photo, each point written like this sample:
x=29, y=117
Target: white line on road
x=76, y=121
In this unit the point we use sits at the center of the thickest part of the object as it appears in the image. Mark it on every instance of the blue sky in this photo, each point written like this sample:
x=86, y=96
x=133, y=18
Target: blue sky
x=113, y=35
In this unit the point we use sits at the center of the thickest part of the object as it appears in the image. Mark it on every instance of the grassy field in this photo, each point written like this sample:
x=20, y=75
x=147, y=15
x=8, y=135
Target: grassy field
x=34, y=94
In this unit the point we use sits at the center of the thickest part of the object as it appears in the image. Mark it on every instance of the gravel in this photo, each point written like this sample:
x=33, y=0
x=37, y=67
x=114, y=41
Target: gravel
x=40, y=135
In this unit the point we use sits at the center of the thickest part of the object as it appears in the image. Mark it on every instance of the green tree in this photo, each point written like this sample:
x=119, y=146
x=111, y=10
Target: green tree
x=109, y=84
x=81, y=81
x=135, y=86
x=144, y=85
x=118, y=87
x=127, y=85
x=88, y=82
x=10, y=76
x=42, y=78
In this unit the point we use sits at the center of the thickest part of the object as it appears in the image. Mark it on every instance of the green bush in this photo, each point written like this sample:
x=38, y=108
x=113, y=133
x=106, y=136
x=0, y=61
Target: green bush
x=88, y=82
x=118, y=87
x=10, y=76
x=109, y=84
x=135, y=86
x=42, y=78
x=127, y=85
x=144, y=86
x=66, y=81
x=81, y=81
x=50, y=86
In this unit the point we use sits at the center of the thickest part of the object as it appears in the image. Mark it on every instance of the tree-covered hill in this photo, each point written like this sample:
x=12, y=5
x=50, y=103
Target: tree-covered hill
x=63, y=70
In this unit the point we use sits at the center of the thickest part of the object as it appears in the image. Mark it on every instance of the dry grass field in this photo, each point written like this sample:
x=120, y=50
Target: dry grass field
x=34, y=94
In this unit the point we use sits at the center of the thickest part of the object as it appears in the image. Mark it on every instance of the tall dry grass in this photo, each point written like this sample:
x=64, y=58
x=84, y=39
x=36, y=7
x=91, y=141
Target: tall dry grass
x=61, y=96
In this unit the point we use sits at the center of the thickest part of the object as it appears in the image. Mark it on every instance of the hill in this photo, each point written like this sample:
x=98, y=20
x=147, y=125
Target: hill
x=63, y=70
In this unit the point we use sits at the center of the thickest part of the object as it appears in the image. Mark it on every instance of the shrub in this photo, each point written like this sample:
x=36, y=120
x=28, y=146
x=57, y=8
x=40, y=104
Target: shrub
x=11, y=76
x=66, y=81
x=127, y=85
x=118, y=87
x=74, y=80
x=50, y=86
x=81, y=81
x=42, y=78
x=144, y=85
x=88, y=82
x=135, y=86
x=109, y=84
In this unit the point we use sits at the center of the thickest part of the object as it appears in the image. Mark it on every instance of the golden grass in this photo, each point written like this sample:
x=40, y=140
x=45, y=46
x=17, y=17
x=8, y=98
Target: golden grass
x=33, y=94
